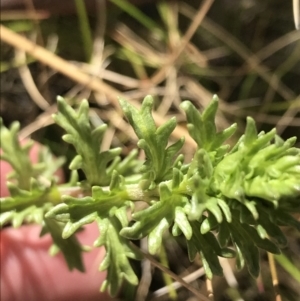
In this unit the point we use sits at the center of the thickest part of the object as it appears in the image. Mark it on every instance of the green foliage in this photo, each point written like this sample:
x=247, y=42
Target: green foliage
x=108, y=208
x=33, y=192
x=32, y=187
x=156, y=219
x=226, y=202
x=153, y=140
x=202, y=127
x=16, y=154
x=118, y=250
x=28, y=205
x=70, y=247
x=87, y=142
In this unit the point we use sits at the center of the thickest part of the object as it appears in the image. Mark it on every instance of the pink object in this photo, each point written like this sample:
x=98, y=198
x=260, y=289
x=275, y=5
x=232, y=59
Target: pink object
x=29, y=273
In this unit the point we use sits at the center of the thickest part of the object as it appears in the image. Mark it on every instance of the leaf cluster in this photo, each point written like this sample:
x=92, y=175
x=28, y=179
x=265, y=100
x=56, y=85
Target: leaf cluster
x=33, y=192
x=226, y=202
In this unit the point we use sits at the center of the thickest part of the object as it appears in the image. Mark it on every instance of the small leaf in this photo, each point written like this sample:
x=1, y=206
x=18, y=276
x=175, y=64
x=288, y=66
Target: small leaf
x=153, y=140
x=208, y=224
x=70, y=247
x=249, y=251
x=116, y=260
x=202, y=244
x=222, y=136
x=183, y=223
x=250, y=132
x=156, y=235
x=264, y=244
x=87, y=142
x=76, y=163
x=223, y=235
x=176, y=231
x=240, y=261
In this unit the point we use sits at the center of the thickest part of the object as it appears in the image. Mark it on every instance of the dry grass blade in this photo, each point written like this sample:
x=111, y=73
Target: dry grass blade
x=296, y=10
x=230, y=277
x=98, y=42
x=278, y=44
x=197, y=19
x=118, y=78
x=288, y=118
x=281, y=121
x=171, y=93
x=73, y=72
x=252, y=60
x=176, y=285
x=133, y=42
x=43, y=120
x=57, y=63
x=24, y=15
x=146, y=278
x=274, y=276
x=111, y=76
x=155, y=263
x=210, y=290
x=28, y=81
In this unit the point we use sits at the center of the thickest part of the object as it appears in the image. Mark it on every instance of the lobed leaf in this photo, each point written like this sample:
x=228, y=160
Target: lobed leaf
x=153, y=140
x=87, y=142
x=159, y=217
x=116, y=261
x=202, y=127
x=70, y=247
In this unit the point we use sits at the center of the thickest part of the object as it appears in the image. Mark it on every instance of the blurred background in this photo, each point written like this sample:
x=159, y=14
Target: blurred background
x=245, y=51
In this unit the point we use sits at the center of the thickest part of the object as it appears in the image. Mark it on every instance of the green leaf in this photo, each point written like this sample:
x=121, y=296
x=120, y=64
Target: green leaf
x=222, y=136
x=116, y=261
x=223, y=234
x=240, y=261
x=70, y=247
x=208, y=248
x=182, y=222
x=208, y=224
x=248, y=250
x=250, y=132
x=81, y=211
x=202, y=127
x=108, y=208
x=287, y=219
x=17, y=155
x=87, y=142
x=159, y=217
x=28, y=205
x=153, y=140
x=264, y=244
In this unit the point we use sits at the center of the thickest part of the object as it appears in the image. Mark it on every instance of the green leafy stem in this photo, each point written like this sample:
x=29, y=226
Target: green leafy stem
x=226, y=202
